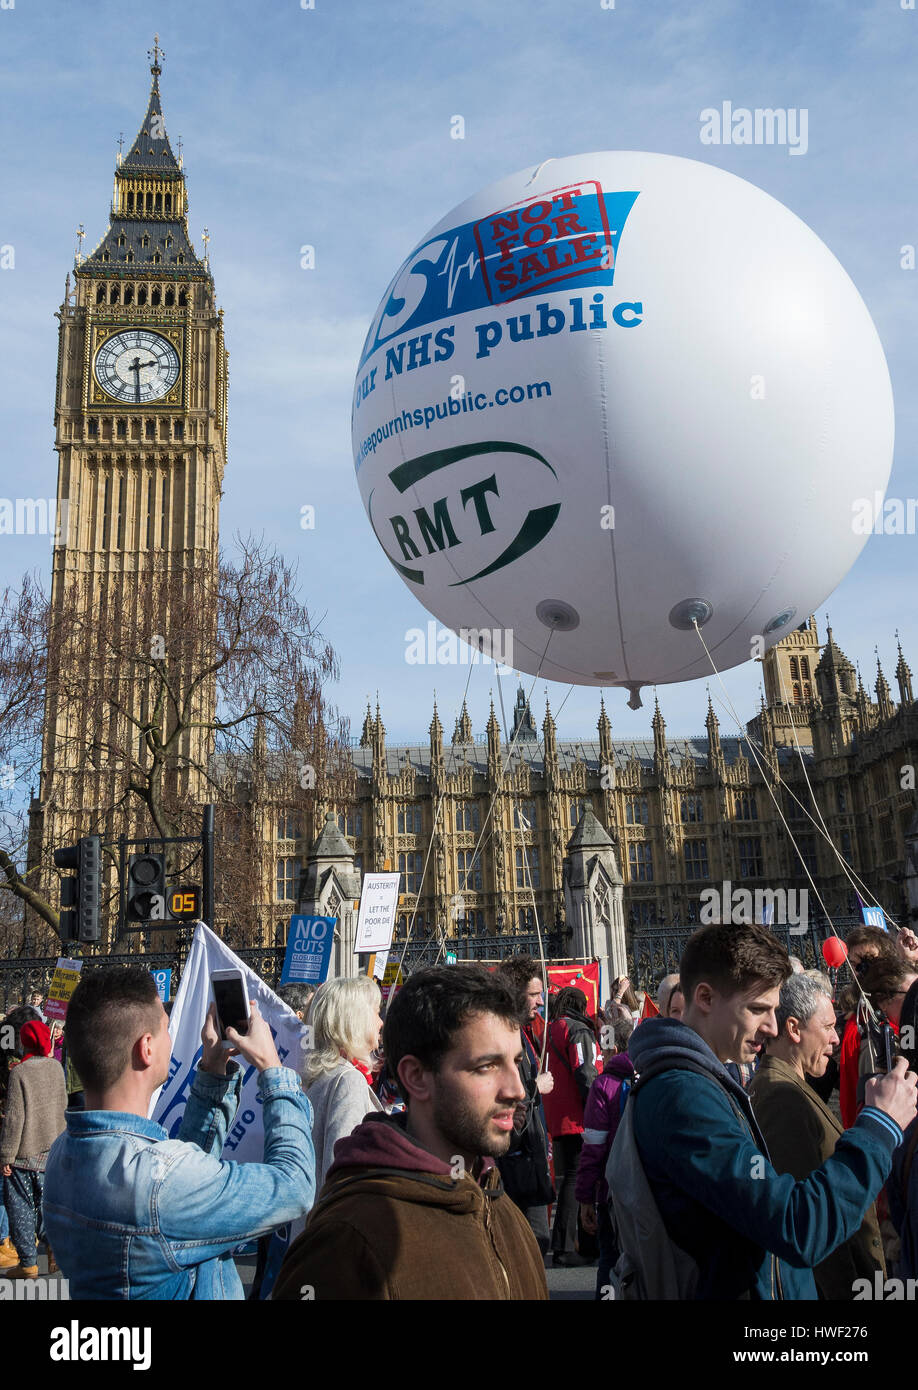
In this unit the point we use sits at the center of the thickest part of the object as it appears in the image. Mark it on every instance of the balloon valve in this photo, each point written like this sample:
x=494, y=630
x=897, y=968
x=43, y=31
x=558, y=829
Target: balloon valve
x=557, y=615
x=635, y=702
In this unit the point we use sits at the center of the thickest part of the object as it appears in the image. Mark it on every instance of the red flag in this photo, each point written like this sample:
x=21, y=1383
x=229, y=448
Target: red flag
x=649, y=1009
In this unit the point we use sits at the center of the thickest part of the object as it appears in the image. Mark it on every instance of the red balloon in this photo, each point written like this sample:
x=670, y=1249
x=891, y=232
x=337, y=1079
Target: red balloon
x=834, y=951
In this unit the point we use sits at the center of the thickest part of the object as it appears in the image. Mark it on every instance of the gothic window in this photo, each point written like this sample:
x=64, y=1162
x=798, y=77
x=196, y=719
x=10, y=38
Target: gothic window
x=636, y=811
x=168, y=204
x=145, y=240
x=750, y=857
x=469, y=871
x=841, y=799
x=805, y=853
x=746, y=806
x=643, y=914
x=106, y=503
x=794, y=669
x=150, y=429
x=180, y=258
x=182, y=298
x=121, y=429
x=796, y=693
x=165, y=511
x=121, y=239
x=525, y=920
x=526, y=811
x=804, y=668
x=167, y=241
x=535, y=874
x=150, y=506
x=155, y=296
x=351, y=823
x=170, y=298
x=119, y=524
x=149, y=202
x=640, y=861
x=93, y=426
x=881, y=780
x=287, y=828
x=142, y=294
x=100, y=295
x=159, y=202
x=696, y=858
x=692, y=809
x=129, y=294
x=577, y=810
x=129, y=257
x=130, y=202
x=113, y=297
x=411, y=867
x=287, y=878
x=467, y=816
x=409, y=820
x=358, y=863
x=846, y=846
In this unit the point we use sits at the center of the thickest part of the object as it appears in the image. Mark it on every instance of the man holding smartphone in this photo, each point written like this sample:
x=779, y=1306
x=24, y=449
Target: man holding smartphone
x=132, y=1214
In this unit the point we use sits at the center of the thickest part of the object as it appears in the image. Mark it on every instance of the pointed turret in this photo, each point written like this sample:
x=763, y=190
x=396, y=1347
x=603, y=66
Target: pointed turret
x=835, y=674
x=863, y=704
x=378, y=742
x=436, y=741
x=463, y=730
x=903, y=677
x=659, y=736
x=549, y=736
x=884, y=700
x=715, y=751
x=493, y=744
x=148, y=232
x=606, y=751
x=366, y=734
x=522, y=719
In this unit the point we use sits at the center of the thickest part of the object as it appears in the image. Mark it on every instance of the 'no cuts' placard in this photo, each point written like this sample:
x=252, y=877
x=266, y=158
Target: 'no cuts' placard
x=376, y=921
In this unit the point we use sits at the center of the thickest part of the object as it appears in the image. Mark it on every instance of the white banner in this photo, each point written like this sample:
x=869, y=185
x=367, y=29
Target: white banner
x=245, y=1140
x=378, y=903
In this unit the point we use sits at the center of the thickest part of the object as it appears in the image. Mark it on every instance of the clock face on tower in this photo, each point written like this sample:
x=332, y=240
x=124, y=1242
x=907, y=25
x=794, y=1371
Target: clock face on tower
x=136, y=366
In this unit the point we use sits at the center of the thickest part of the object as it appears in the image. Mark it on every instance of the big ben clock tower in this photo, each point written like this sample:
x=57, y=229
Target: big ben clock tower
x=140, y=417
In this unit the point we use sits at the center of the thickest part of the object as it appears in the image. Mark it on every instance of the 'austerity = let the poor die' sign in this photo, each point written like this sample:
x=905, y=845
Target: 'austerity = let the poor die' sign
x=378, y=901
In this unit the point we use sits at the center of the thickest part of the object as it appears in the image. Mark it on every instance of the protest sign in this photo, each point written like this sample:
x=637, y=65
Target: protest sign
x=378, y=902
x=163, y=980
x=64, y=981
x=309, y=949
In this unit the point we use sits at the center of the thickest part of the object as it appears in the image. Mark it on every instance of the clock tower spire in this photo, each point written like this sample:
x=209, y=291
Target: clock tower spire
x=140, y=417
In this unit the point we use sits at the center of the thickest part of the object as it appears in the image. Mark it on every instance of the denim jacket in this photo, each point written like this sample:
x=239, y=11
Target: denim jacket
x=131, y=1213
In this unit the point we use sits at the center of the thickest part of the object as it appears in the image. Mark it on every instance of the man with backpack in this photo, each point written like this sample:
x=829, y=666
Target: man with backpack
x=714, y=1220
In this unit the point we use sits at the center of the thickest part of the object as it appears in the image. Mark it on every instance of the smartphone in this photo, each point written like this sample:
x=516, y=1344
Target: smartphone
x=229, y=996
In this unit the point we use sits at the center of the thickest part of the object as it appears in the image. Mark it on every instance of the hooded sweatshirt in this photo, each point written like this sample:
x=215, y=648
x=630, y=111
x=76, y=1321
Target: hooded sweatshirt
x=393, y=1222
x=754, y=1233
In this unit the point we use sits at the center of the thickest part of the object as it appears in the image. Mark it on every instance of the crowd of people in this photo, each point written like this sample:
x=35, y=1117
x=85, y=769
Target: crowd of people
x=752, y=1134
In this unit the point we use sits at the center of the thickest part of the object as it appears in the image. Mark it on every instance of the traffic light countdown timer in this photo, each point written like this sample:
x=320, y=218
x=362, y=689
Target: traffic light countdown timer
x=149, y=899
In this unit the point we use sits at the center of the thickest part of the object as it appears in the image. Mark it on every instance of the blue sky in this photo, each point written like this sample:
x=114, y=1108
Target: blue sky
x=331, y=127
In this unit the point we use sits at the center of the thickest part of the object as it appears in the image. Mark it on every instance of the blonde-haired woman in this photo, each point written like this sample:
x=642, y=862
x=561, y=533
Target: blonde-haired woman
x=345, y=1022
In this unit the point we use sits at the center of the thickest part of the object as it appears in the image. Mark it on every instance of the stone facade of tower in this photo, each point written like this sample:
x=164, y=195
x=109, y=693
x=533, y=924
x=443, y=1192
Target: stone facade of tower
x=140, y=432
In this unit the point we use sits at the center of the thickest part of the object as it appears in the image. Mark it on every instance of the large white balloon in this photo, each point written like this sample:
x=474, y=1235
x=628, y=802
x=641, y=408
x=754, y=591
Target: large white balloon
x=613, y=393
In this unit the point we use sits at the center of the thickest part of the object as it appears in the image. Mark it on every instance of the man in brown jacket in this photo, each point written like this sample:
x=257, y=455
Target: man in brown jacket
x=413, y=1207
x=800, y=1130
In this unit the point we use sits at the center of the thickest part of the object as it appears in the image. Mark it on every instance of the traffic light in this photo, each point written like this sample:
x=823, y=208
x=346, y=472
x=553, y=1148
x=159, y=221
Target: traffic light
x=80, y=895
x=146, y=888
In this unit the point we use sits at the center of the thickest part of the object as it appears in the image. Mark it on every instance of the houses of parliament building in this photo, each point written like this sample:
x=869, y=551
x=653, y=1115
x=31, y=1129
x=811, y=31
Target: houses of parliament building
x=479, y=825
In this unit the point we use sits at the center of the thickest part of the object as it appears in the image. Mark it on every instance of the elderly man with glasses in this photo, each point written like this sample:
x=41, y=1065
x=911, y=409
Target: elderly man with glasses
x=800, y=1130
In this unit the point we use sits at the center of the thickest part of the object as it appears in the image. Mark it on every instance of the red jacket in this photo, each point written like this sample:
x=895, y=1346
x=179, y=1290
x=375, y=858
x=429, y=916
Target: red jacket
x=574, y=1061
x=848, y=1063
